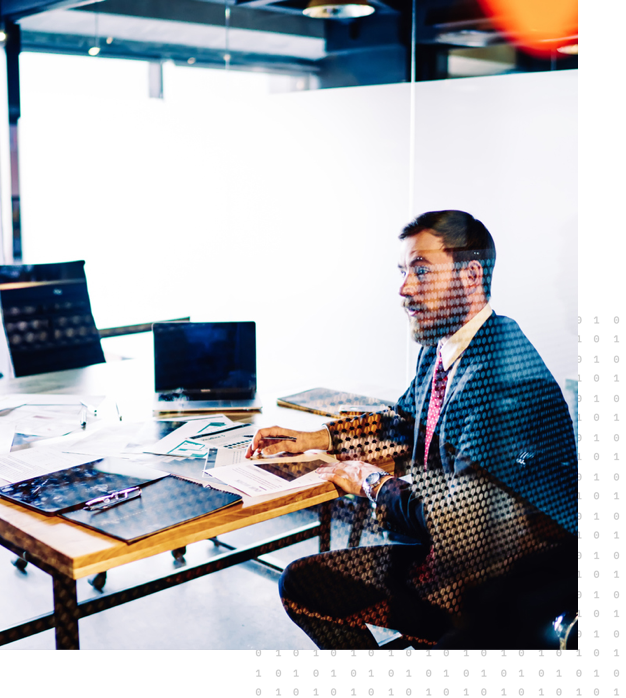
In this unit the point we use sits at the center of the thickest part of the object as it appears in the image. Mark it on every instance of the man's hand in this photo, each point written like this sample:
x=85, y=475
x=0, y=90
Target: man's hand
x=348, y=475
x=304, y=440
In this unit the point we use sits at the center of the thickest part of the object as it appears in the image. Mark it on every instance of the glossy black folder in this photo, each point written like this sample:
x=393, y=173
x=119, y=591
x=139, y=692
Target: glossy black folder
x=65, y=489
x=163, y=504
x=329, y=402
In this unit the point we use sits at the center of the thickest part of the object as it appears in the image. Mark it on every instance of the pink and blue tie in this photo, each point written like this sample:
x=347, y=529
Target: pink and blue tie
x=438, y=390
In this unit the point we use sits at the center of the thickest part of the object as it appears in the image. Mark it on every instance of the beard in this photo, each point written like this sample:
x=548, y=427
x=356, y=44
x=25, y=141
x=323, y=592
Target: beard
x=431, y=325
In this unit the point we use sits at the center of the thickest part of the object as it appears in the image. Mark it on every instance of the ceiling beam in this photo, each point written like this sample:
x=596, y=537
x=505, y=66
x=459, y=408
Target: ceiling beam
x=14, y=9
x=212, y=13
x=71, y=44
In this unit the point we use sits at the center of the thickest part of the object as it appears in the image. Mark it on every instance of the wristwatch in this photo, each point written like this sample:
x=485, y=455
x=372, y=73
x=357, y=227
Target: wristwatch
x=370, y=482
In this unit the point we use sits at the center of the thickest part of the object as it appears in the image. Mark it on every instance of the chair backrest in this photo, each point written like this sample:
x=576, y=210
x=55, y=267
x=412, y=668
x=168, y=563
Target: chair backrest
x=47, y=318
x=58, y=271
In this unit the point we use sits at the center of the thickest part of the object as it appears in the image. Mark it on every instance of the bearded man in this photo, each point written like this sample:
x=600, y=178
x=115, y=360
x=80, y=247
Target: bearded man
x=491, y=506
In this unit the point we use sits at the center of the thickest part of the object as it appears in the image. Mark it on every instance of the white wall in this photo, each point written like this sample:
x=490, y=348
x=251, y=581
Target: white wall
x=505, y=149
x=285, y=209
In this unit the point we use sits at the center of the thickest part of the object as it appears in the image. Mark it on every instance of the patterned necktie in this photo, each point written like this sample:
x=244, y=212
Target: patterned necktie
x=438, y=390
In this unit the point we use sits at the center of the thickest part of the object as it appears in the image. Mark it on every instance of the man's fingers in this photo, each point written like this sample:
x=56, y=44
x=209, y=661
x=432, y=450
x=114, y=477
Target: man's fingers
x=326, y=469
x=257, y=440
x=269, y=446
x=273, y=440
x=279, y=447
x=348, y=475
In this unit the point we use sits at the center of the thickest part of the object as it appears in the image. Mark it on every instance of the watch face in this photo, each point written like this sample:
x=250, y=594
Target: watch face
x=373, y=478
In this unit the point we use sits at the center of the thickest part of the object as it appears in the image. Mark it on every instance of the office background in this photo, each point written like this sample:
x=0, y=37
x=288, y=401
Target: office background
x=263, y=196
x=227, y=200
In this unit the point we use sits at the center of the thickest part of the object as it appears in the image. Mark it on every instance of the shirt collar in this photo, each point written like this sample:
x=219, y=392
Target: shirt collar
x=452, y=347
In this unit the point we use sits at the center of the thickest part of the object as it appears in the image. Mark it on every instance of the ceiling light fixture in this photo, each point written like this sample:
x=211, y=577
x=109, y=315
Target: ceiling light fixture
x=471, y=38
x=338, y=9
x=569, y=50
x=227, y=55
x=95, y=49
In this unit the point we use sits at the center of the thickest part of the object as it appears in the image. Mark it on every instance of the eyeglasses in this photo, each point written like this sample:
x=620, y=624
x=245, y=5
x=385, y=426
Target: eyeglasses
x=112, y=498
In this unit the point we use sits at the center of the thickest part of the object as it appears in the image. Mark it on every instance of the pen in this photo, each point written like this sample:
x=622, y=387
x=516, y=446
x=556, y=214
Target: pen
x=118, y=411
x=83, y=416
x=280, y=438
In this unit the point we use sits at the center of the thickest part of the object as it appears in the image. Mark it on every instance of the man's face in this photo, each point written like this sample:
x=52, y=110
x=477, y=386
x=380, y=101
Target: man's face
x=433, y=293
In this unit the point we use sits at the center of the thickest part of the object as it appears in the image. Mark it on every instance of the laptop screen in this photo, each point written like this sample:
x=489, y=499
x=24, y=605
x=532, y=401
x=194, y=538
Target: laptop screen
x=216, y=358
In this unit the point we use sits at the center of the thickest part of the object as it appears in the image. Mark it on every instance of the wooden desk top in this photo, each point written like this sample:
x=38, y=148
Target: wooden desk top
x=77, y=551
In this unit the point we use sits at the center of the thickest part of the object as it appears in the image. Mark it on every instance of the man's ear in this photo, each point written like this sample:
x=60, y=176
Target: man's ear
x=473, y=276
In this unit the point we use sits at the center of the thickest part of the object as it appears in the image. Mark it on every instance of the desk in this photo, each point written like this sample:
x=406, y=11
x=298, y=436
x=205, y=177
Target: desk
x=69, y=552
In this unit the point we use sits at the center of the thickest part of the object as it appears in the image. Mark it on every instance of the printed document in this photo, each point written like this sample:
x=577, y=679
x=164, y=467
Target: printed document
x=270, y=475
x=32, y=462
x=194, y=438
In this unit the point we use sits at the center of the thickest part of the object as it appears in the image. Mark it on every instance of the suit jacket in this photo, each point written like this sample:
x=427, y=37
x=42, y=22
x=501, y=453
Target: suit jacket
x=501, y=477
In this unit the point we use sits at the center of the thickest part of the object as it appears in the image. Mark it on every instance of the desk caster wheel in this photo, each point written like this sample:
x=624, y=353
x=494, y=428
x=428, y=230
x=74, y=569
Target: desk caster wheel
x=179, y=556
x=98, y=581
x=21, y=563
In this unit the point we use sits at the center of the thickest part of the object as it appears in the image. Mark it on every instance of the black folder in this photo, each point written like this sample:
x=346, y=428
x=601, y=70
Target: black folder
x=333, y=403
x=162, y=505
x=66, y=489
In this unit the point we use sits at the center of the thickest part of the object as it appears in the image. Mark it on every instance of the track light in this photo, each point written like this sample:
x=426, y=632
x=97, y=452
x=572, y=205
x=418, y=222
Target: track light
x=338, y=9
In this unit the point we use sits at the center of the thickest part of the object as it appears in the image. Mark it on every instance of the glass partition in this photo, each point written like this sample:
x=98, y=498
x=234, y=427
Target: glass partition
x=226, y=200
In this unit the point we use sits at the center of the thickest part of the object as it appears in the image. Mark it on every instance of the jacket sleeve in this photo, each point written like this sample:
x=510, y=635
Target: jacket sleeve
x=522, y=435
x=401, y=510
x=485, y=509
x=376, y=436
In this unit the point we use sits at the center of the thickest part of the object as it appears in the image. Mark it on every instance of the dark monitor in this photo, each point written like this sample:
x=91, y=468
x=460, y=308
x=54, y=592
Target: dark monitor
x=216, y=359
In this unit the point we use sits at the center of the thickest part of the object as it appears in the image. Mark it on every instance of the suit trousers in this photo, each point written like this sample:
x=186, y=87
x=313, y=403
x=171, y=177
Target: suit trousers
x=333, y=595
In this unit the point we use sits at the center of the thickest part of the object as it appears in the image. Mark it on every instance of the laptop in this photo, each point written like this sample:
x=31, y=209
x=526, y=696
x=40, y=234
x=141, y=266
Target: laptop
x=205, y=367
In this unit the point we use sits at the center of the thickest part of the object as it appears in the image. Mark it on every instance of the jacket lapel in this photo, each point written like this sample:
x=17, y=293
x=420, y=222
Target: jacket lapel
x=464, y=372
x=470, y=361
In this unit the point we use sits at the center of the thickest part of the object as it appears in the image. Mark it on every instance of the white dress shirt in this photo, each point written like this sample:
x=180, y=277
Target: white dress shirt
x=452, y=347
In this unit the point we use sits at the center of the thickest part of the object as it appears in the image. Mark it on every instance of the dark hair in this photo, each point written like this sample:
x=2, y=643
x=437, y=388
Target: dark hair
x=463, y=236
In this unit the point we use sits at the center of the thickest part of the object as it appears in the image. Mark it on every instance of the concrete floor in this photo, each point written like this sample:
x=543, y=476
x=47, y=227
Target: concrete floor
x=236, y=608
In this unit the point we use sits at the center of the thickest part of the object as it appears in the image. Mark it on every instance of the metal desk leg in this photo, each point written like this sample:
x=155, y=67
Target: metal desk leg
x=325, y=518
x=65, y=612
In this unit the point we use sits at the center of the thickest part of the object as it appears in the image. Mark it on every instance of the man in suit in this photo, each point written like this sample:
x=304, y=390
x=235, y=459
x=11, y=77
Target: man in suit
x=491, y=508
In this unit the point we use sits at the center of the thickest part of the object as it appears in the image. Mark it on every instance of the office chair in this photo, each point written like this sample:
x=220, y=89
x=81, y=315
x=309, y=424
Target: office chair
x=47, y=318
x=47, y=321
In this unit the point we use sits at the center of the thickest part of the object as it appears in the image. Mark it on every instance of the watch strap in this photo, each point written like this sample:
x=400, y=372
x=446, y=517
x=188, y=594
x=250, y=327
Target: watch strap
x=368, y=487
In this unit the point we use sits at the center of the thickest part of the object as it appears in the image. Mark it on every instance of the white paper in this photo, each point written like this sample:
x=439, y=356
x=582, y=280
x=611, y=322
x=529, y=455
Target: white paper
x=228, y=456
x=238, y=439
x=7, y=434
x=45, y=422
x=190, y=468
x=248, y=479
x=47, y=415
x=104, y=441
x=182, y=442
x=213, y=424
x=253, y=481
x=31, y=462
x=188, y=449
